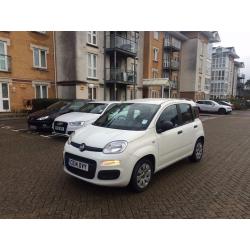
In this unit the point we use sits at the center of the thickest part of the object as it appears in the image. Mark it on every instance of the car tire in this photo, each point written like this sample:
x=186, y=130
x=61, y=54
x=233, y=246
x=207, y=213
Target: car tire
x=142, y=175
x=198, y=151
x=222, y=111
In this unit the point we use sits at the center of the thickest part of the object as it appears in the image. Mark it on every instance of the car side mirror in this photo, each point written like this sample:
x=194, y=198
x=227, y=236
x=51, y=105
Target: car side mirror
x=164, y=126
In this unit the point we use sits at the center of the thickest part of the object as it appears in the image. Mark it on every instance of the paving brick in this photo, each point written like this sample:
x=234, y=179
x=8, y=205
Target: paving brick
x=33, y=184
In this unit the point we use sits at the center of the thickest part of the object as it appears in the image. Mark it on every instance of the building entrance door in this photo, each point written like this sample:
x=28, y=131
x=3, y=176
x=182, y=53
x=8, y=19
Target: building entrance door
x=4, y=97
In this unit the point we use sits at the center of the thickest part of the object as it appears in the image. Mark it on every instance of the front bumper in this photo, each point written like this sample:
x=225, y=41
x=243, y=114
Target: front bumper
x=41, y=125
x=103, y=175
x=67, y=128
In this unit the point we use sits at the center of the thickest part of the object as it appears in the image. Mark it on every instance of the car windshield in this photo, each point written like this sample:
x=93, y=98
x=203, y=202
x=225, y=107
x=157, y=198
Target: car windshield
x=58, y=105
x=93, y=108
x=128, y=116
x=76, y=105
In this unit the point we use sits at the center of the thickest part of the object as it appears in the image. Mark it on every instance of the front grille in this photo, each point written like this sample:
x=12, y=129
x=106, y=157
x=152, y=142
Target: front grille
x=62, y=125
x=86, y=148
x=85, y=174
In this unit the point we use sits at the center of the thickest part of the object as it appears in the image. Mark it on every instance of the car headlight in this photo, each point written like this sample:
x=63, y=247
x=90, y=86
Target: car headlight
x=70, y=138
x=115, y=147
x=79, y=123
x=43, y=118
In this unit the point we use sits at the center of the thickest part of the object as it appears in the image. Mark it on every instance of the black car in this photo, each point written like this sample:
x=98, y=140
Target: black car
x=43, y=119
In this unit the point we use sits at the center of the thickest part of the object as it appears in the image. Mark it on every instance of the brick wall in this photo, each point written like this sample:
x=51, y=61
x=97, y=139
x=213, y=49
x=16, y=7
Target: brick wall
x=23, y=75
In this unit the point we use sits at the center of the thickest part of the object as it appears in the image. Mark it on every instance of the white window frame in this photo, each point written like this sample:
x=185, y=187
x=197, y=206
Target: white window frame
x=154, y=70
x=5, y=54
x=155, y=54
x=156, y=35
x=155, y=93
x=4, y=98
x=92, y=35
x=40, y=89
x=91, y=66
x=39, y=58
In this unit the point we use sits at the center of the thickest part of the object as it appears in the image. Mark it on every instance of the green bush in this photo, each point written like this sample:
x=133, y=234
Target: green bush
x=239, y=104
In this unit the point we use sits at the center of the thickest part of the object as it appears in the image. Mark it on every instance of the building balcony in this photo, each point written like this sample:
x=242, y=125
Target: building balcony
x=241, y=76
x=121, y=44
x=171, y=64
x=117, y=75
x=5, y=63
x=172, y=43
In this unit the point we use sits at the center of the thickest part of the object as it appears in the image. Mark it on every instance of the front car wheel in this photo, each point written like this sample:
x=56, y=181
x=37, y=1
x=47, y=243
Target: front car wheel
x=142, y=175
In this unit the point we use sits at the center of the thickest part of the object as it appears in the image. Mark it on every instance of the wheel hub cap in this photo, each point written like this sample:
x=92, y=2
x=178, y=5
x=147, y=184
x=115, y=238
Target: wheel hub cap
x=143, y=175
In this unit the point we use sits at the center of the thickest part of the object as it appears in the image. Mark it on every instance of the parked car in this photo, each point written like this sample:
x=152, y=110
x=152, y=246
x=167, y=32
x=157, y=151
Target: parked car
x=226, y=103
x=133, y=140
x=213, y=107
x=68, y=123
x=43, y=119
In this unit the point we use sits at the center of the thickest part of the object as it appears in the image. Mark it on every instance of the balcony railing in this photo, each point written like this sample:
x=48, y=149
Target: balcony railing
x=173, y=64
x=119, y=75
x=5, y=63
x=125, y=44
x=172, y=42
x=241, y=76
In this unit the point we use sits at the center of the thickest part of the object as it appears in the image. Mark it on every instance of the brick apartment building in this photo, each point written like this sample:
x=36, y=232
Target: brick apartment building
x=26, y=68
x=182, y=57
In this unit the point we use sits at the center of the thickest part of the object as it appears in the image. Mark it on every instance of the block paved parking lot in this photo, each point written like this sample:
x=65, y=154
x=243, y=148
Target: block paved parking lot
x=33, y=184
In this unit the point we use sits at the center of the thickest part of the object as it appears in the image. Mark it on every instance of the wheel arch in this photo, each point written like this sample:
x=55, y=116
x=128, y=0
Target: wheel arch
x=151, y=157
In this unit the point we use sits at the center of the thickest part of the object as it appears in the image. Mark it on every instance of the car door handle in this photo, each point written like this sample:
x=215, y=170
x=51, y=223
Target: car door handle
x=179, y=132
x=195, y=126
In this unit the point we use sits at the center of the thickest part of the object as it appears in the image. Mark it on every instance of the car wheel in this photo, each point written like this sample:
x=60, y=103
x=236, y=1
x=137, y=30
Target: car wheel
x=222, y=111
x=142, y=175
x=198, y=151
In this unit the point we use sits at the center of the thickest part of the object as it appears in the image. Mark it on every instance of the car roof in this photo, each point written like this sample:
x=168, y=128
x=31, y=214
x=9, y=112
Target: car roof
x=160, y=101
x=104, y=102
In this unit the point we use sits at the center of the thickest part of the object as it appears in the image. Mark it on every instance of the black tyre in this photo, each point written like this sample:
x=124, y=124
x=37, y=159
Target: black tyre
x=222, y=111
x=198, y=151
x=142, y=175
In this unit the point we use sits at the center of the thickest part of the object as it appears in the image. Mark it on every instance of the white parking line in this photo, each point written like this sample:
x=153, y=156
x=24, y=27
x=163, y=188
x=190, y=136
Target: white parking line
x=45, y=136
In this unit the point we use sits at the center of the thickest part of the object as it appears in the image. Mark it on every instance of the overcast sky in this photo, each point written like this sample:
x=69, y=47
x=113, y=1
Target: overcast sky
x=240, y=40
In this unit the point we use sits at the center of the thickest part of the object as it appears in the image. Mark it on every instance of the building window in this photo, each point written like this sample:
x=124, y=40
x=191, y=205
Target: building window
x=90, y=93
x=4, y=97
x=41, y=91
x=155, y=51
x=92, y=37
x=3, y=56
x=155, y=93
x=156, y=35
x=201, y=65
x=155, y=73
x=40, y=58
x=92, y=62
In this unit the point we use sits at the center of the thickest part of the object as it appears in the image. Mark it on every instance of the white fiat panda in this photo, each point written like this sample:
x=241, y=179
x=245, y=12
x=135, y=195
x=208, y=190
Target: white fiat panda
x=134, y=140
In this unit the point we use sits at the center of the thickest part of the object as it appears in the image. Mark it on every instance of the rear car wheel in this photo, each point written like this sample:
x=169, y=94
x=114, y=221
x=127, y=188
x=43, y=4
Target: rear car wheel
x=142, y=175
x=198, y=151
x=222, y=111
